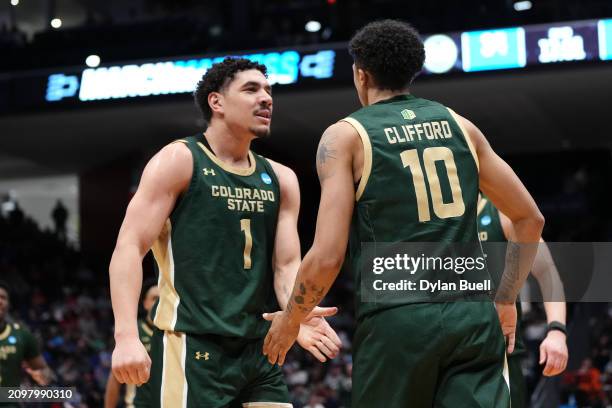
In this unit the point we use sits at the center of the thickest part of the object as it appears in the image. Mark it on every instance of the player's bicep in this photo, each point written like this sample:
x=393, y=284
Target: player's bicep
x=498, y=181
x=166, y=175
x=335, y=170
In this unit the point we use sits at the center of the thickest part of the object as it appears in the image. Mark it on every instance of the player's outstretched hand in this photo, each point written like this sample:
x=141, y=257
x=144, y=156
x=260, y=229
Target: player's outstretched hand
x=507, y=318
x=131, y=362
x=281, y=336
x=553, y=352
x=317, y=336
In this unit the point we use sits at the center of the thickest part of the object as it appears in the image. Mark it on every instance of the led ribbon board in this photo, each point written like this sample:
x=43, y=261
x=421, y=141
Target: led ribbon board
x=181, y=76
x=518, y=47
x=470, y=51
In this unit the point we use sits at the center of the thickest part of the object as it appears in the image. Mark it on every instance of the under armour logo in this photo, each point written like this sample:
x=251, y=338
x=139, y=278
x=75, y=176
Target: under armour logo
x=209, y=172
x=199, y=355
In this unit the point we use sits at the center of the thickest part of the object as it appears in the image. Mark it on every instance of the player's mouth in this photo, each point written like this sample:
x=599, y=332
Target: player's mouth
x=265, y=115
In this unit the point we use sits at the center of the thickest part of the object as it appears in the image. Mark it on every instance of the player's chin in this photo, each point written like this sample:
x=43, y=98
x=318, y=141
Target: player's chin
x=261, y=131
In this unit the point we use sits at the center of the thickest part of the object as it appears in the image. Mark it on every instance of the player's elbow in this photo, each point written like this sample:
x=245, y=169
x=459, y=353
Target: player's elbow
x=330, y=263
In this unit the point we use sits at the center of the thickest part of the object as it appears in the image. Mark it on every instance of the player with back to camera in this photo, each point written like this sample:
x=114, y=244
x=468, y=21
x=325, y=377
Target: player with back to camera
x=222, y=224
x=417, y=183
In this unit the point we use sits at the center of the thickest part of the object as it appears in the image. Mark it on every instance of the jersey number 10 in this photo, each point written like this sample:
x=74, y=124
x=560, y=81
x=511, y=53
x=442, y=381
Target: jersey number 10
x=410, y=159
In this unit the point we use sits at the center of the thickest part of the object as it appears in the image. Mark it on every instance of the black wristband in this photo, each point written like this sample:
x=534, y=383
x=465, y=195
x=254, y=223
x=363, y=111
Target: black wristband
x=555, y=325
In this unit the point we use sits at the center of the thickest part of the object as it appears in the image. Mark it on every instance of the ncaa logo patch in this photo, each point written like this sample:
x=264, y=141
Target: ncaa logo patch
x=12, y=340
x=486, y=220
x=265, y=177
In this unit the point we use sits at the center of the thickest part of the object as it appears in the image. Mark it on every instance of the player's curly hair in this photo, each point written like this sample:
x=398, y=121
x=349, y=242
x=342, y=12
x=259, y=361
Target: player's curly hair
x=218, y=77
x=390, y=50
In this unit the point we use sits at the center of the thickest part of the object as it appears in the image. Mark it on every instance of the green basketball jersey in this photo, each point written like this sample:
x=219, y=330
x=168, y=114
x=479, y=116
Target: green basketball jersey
x=140, y=396
x=419, y=183
x=16, y=345
x=491, y=232
x=214, y=254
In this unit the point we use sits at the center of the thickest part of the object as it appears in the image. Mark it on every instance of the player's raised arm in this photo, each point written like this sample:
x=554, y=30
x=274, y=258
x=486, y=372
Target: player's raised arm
x=503, y=187
x=322, y=263
x=315, y=334
x=164, y=178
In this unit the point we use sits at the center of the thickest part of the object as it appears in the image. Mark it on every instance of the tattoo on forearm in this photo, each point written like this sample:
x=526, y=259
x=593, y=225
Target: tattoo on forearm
x=307, y=297
x=514, y=273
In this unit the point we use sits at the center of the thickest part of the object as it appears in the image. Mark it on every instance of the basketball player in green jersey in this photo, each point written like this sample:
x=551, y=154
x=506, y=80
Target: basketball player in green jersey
x=136, y=396
x=222, y=224
x=495, y=227
x=18, y=346
x=418, y=167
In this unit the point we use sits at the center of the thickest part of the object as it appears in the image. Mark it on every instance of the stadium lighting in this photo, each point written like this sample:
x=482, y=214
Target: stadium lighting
x=92, y=61
x=312, y=26
x=56, y=23
x=522, y=5
x=14, y=2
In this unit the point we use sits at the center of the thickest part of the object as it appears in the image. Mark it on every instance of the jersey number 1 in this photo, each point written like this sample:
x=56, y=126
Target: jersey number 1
x=410, y=159
x=245, y=225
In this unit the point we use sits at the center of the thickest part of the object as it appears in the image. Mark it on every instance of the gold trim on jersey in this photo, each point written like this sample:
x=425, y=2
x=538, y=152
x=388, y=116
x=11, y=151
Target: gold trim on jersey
x=481, y=205
x=130, y=395
x=367, y=155
x=506, y=373
x=169, y=299
x=466, y=135
x=174, y=382
x=6, y=332
x=146, y=329
x=235, y=170
x=266, y=405
x=180, y=141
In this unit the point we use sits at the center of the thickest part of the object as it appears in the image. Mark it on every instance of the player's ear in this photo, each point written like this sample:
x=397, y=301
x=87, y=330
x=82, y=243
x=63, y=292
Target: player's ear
x=364, y=78
x=215, y=101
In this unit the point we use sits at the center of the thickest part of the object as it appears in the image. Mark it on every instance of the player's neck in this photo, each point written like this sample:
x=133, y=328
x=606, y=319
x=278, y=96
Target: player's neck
x=377, y=95
x=230, y=148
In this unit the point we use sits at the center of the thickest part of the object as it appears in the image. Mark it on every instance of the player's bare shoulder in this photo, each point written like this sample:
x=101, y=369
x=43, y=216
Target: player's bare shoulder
x=287, y=179
x=169, y=169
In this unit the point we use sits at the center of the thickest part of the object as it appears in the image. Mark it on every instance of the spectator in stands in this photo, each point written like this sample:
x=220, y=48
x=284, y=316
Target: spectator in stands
x=60, y=216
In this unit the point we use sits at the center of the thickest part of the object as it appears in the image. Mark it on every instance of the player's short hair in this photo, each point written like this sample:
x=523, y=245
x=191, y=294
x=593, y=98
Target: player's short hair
x=4, y=285
x=218, y=77
x=389, y=50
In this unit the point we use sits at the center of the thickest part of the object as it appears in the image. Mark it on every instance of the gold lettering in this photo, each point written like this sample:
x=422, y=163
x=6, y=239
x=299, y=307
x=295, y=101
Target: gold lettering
x=399, y=138
x=411, y=132
x=224, y=192
x=408, y=138
x=238, y=193
x=446, y=129
x=260, y=207
x=256, y=195
x=231, y=204
x=387, y=132
x=247, y=193
x=215, y=191
x=419, y=130
x=428, y=133
x=437, y=130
